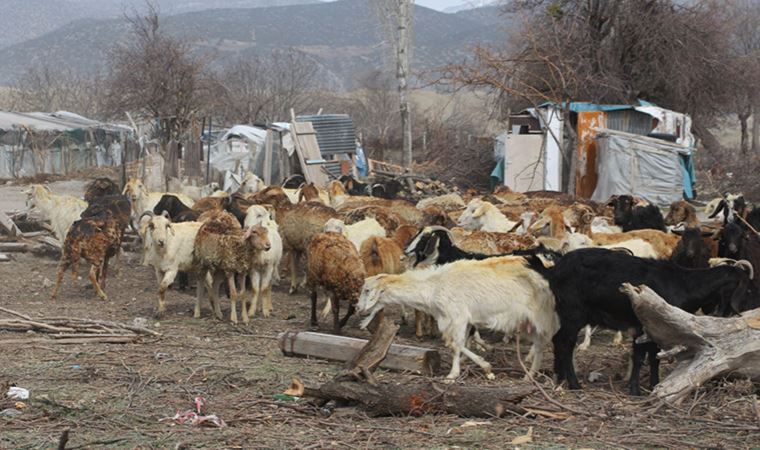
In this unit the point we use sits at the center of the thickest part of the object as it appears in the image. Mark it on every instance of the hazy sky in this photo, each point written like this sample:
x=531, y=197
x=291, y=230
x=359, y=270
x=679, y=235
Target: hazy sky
x=439, y=4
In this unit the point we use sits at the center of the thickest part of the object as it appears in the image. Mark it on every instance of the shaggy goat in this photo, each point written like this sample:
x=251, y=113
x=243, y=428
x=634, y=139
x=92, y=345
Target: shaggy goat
x=96, y=239
x=220, y=247
x=484, y=216
x=502, y=294
x=100, y=187
x=334, y=265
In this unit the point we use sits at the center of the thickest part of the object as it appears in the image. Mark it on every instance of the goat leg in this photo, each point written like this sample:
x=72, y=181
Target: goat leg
x=336, y=314
x=233, y=297
x=349, y=313
x=94, y=280
x=58, y=278
x=314, y=322
x=293, y=259
x=241, y=295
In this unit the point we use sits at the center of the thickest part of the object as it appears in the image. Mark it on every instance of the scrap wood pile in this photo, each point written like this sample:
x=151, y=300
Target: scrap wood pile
x=70, y=330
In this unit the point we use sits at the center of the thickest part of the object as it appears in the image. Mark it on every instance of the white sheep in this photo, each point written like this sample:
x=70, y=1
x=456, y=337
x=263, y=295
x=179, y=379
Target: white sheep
x=60, y=210
x=266, y=263
x=168, y=247
x=502, y=294
x=193, y=192
x=358, y=232
x=484, y=216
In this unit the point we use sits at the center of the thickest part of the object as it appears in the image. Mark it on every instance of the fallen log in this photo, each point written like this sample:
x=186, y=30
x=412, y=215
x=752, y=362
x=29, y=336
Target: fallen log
x=372, y=354
x=7, y=224
x=340, y=348
x=389, y=399
x=11, y=247
x=705, y=347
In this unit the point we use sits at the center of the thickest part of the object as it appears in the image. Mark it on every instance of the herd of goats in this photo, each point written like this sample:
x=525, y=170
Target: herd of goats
x=541, y=264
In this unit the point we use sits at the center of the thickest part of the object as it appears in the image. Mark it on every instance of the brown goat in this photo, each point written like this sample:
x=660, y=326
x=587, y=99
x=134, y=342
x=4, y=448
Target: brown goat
x=100, y=187
x=96, y=239
x=334, y=265
x=681, y=211
x=308, y=193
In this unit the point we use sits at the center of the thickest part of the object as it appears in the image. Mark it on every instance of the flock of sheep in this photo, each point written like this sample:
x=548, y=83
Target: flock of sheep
x=541, y=265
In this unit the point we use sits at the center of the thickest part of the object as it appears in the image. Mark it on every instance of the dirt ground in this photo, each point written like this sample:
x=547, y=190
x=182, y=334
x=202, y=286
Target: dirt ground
x=124, y=395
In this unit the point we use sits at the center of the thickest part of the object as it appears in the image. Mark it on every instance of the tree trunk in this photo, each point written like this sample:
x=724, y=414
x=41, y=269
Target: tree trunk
x=389, y=399
x=743, y=118
x=705, y=347
x=404, y=46
x=755, y=129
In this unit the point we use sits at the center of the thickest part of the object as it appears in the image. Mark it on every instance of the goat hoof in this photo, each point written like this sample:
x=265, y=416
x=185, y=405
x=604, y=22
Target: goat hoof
x=583, y=347
x=292, y=290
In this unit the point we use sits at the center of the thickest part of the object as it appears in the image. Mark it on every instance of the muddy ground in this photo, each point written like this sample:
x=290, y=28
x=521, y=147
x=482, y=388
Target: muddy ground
x=123, y=395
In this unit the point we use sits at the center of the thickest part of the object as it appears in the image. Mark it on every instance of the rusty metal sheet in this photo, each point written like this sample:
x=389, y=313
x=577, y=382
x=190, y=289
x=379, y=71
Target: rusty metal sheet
x=586, y=176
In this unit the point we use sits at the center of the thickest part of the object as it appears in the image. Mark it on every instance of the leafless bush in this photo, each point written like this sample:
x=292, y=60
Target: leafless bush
x=264, y=88
x=45, y=88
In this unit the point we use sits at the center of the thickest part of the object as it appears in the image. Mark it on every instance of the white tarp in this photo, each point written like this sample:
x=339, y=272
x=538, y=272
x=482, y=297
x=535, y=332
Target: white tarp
x=632, y=164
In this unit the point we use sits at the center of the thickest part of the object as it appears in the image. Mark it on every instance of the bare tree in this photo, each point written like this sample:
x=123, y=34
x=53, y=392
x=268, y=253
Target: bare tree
x=154, y=76
x=616, y=52
x=745, y=35
x=43, y=88
x=396, y=19
x=264, y=88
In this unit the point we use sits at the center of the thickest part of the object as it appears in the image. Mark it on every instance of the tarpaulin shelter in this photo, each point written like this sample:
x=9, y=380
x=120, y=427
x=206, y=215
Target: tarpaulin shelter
x=59, y=142
x=531, y=150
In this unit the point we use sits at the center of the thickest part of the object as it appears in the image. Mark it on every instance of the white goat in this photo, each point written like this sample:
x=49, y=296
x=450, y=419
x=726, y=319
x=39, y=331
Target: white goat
x=60, y=210
x=484, y=216
x=168, y=248
x=501, y=294
x=601, y=224
x=266, y=263
x=357, y=232
x=251, y=184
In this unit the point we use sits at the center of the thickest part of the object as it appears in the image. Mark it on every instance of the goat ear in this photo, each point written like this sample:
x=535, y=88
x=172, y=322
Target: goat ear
x=479, y=211
x=171, y=229
x=165, y=213
x=431, y=246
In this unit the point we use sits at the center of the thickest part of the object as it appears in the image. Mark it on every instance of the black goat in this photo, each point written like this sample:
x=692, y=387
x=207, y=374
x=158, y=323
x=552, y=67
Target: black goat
x=731, y=240
x=433, y=246
x=631, y=217
x=586, y=284
x=691, y=252
x=173, y=206
x=387, y=189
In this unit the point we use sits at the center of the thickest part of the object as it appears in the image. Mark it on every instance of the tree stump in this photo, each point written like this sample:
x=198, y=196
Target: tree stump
x=389, y=399
x=705, y=347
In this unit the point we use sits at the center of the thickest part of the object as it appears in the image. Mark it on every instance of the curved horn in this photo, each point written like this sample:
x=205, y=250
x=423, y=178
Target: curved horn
x=440, y=228
x=622, y=250
x=146, y=213
x=747, y=267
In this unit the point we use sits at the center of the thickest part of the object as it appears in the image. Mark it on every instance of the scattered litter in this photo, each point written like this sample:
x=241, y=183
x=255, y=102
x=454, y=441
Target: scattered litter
x=285, y=398
x=595, y=376
x=19, y=405
x=141, y=322
x=46, y=283
x=296, y=388
x=195, y=418
x=473, y=423
x=524, y=439
x=76, y=366
x=17, y=393
x=10, y=412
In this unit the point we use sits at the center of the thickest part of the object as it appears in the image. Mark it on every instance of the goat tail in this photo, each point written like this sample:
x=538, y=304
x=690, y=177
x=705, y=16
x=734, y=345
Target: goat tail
x=375, y=253
x=747, y=267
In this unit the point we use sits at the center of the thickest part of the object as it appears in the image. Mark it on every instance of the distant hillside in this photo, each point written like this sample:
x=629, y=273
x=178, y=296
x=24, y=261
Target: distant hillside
x=21, y=20
x=342, y=36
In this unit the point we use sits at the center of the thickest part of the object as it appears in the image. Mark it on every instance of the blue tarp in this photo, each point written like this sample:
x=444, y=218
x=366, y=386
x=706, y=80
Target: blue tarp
x=577, y=107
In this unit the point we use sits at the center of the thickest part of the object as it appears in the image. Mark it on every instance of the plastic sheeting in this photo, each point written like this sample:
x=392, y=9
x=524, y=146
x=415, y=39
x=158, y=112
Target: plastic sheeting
x=638, y=165
x=17, y=162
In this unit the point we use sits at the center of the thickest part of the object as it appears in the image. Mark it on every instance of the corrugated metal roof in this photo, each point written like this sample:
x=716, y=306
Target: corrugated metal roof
x=335, y=133
x=56, y=122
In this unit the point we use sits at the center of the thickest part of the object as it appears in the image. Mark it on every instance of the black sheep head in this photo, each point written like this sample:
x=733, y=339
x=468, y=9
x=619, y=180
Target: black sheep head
x=623, y=209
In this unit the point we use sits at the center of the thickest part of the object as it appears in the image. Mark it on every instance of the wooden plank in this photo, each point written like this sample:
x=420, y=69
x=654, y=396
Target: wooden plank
x=11, y=247
x=33, y=234
x=307, y=148
x=9, y=226
x=340, y=348
x=52, y=242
